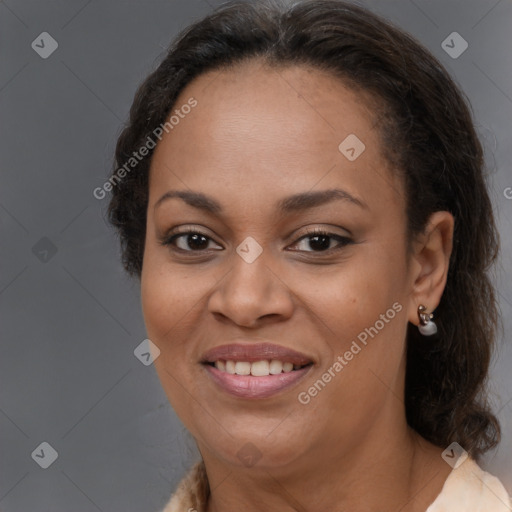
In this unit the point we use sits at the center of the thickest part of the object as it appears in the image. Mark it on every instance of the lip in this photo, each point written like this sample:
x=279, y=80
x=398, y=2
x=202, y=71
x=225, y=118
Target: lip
x=249, y=386
x=255, y=352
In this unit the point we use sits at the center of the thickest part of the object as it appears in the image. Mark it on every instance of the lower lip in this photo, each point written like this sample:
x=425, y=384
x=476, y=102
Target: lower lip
x=248, y=386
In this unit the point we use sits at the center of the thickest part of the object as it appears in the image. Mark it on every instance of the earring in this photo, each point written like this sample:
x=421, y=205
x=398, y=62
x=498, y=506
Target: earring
x=427, y=327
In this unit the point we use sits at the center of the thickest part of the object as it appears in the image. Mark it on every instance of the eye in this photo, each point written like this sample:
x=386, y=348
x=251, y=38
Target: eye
x=189, y=241
x=320, y=240
x=316, y=240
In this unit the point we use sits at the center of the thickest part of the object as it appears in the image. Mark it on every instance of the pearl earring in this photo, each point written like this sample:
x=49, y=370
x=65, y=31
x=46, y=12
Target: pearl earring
x=427, y=327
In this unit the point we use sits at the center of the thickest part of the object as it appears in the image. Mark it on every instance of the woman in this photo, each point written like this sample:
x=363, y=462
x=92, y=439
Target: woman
x=307, y=215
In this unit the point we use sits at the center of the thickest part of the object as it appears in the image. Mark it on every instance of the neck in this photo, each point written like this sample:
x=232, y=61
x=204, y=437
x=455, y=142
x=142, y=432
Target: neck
x=400, y=471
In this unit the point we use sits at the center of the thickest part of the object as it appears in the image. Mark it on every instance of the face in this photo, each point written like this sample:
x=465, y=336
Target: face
x=274, y=276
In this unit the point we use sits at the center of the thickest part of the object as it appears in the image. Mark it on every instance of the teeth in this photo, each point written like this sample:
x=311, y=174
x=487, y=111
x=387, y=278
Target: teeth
x=257, y=369
x=260, y=368
x=275, y=367
x=242, y=368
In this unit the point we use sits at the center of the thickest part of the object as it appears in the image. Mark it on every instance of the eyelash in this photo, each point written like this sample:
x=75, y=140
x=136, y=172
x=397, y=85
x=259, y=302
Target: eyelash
x=342, y=240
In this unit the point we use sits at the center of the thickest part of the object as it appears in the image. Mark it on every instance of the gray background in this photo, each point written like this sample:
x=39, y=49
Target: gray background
x=70, y=318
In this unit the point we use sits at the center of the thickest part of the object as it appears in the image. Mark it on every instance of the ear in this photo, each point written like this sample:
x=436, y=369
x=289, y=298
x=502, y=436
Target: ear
x=430, y=262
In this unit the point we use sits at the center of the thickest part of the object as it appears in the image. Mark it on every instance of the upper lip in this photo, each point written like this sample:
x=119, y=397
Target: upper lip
x=255, y=352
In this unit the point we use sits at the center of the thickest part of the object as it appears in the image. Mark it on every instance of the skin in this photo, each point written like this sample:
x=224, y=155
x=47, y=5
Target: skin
x=258, y=135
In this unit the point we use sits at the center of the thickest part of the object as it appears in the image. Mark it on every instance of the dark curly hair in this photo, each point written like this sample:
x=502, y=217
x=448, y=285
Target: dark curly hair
x=422, y=116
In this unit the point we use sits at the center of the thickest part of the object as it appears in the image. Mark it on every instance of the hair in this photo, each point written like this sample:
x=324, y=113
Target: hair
x=422, y=116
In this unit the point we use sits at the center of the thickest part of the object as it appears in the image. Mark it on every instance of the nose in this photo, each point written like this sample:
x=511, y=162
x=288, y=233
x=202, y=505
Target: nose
x=251, y=294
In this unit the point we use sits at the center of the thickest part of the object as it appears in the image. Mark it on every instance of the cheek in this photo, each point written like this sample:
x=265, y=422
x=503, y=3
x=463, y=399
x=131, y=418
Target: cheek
x=169, y=294
x=361, y=311
x=346, y=300
x=169, y=304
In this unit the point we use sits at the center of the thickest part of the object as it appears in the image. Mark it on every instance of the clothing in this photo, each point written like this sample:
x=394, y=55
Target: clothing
x=470, y=489
x=467, y=489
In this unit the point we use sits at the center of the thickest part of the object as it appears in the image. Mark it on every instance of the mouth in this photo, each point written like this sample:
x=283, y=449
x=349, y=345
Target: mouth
x=260, y=368
x=255, y=371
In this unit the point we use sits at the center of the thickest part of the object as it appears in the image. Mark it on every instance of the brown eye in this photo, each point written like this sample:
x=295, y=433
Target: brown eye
x=321, y=241
x=189, y=241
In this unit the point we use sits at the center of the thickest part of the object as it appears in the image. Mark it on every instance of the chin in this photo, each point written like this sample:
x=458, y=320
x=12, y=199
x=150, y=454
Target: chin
x=249, y=443
x=256, y=453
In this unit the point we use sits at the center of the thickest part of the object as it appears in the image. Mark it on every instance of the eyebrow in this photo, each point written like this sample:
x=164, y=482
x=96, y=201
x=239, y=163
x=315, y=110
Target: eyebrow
x=294, y=203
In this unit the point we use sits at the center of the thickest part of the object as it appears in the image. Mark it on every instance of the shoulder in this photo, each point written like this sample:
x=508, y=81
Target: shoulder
x=470, y=489
x=191, y=495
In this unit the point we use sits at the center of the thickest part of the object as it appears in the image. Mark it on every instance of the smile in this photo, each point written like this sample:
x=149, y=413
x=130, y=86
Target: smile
x=255, y=370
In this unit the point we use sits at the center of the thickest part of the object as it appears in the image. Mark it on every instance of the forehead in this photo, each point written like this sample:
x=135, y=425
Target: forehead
x=261, y=130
